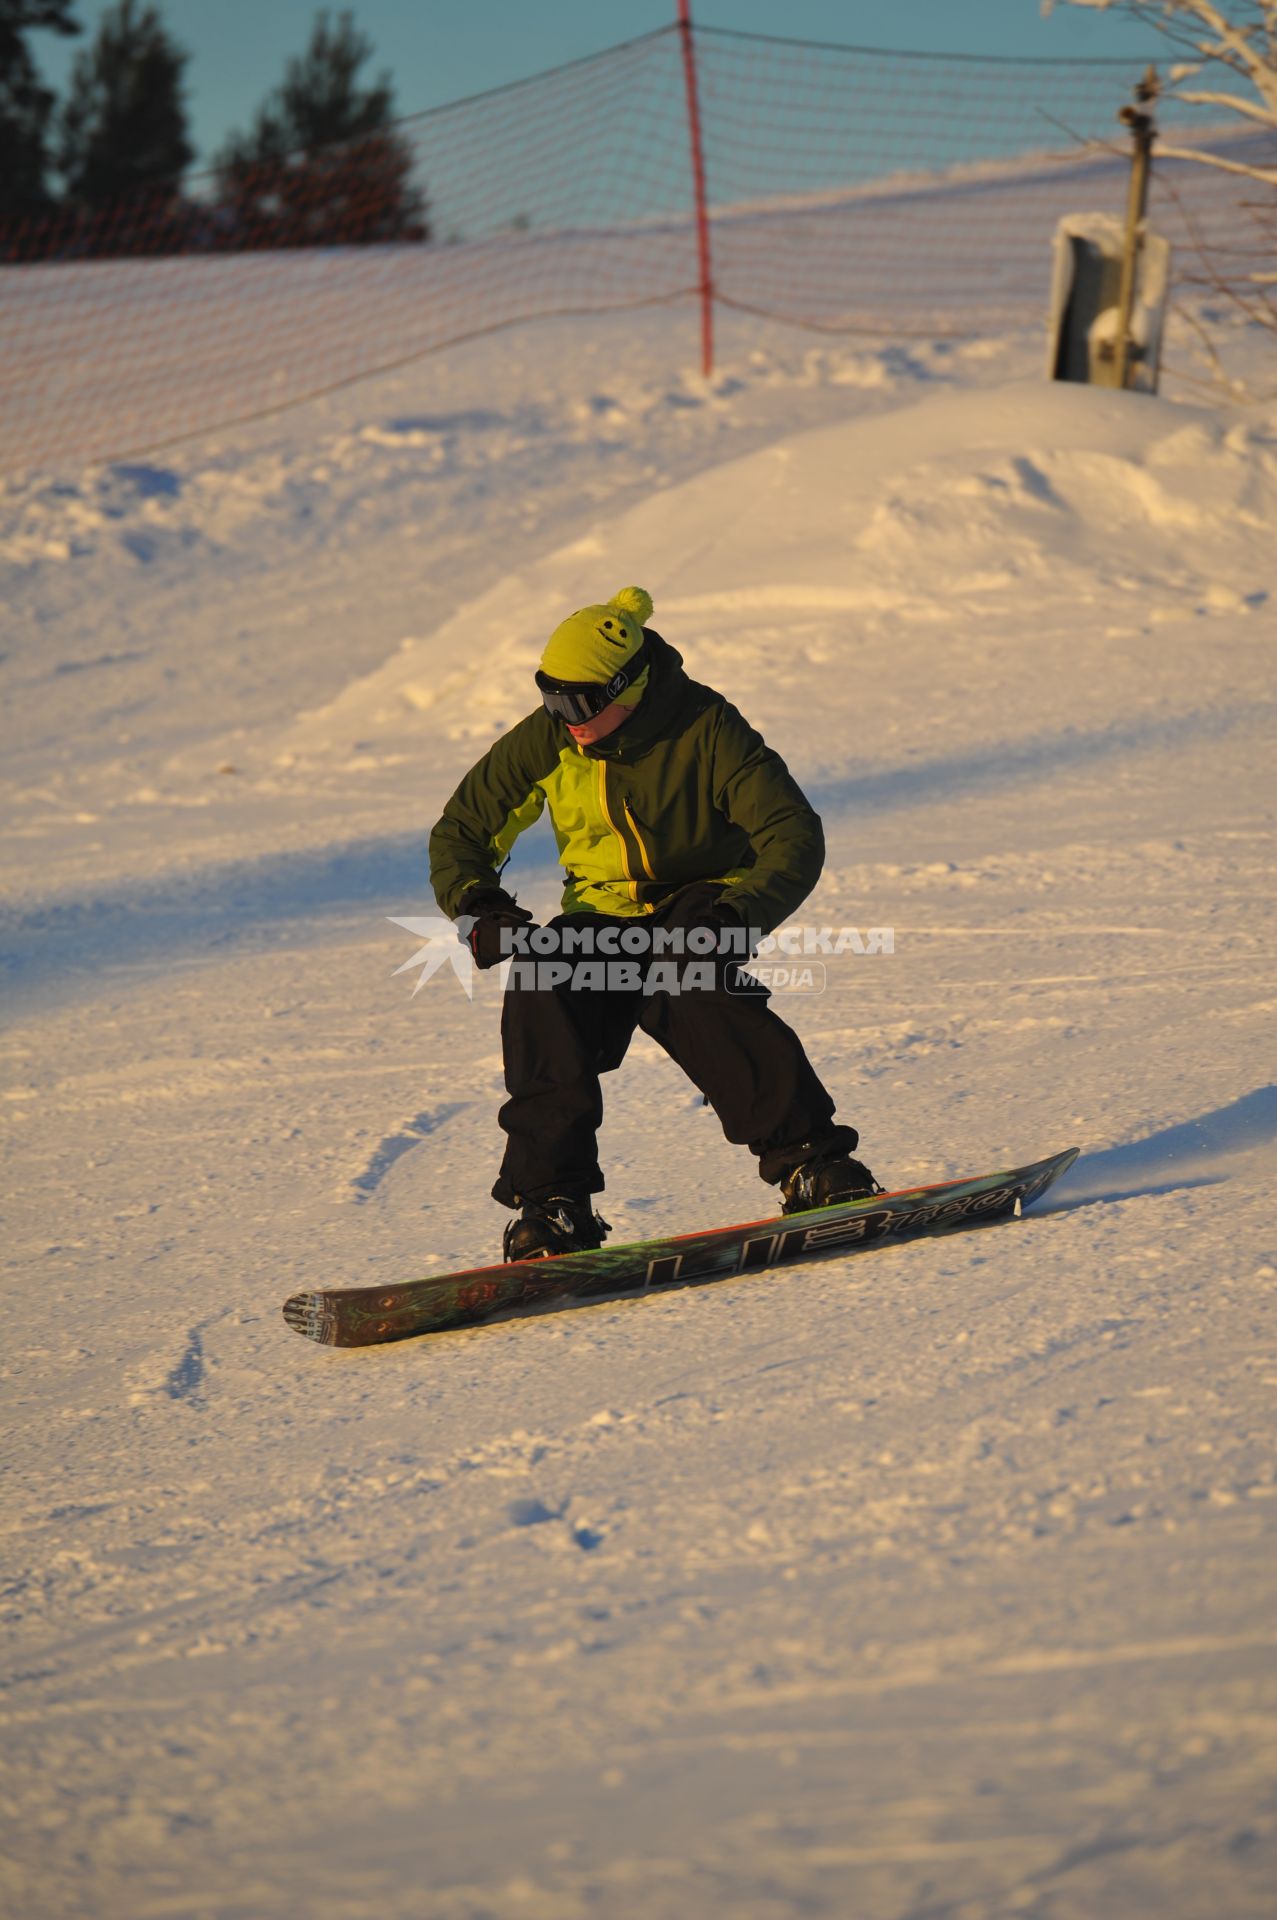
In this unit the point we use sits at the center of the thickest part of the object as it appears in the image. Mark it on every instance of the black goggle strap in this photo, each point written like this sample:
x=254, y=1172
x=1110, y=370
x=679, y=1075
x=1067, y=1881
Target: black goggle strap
x=582, y=700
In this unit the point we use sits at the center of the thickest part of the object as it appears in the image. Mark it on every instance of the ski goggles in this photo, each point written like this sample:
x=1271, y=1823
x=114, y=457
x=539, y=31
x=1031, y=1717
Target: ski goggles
x=579, y=701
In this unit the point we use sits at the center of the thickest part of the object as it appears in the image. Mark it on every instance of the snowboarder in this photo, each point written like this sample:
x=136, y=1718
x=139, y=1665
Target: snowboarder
x=679, y=829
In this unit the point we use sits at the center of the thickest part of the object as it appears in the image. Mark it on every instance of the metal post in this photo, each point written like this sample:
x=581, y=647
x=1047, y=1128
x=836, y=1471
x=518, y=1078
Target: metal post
x=706, y=277
x=1143, y=131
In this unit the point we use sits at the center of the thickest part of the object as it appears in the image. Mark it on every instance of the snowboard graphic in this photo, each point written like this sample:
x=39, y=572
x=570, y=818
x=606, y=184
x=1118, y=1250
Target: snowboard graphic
x=364, y=1316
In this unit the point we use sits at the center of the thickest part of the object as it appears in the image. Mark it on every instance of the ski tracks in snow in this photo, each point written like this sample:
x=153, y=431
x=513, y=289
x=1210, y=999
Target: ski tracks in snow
x=409, y=1134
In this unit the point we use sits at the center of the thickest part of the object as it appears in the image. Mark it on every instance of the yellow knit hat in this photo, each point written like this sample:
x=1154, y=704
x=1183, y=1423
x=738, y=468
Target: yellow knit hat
x=593, y=642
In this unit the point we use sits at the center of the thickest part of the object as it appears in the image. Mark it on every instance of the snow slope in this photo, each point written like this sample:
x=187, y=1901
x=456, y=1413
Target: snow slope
x=934, y=1581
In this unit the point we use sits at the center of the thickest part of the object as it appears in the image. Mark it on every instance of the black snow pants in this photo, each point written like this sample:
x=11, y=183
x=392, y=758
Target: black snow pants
x=557, y=1041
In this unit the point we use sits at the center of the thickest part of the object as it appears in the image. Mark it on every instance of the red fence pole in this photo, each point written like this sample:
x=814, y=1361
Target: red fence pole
x=698, y=184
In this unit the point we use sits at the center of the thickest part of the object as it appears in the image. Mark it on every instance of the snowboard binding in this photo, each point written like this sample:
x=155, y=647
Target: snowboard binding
x=827, y=1183
x=559, y=1224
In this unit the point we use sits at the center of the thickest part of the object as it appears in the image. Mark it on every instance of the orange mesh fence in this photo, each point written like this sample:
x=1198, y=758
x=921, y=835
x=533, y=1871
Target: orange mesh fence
x=851, y=191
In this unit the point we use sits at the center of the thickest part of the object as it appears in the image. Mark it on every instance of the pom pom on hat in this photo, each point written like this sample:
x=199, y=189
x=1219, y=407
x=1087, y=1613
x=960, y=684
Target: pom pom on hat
x=635, y=600
x=593, y=642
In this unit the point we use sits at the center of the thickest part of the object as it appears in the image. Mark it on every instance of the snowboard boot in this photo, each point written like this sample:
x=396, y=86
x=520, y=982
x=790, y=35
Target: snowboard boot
x=824, y=1183
x=564, y=1223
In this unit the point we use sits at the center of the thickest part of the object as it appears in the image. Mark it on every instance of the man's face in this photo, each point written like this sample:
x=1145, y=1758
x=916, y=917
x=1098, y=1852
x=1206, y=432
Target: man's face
x=602, y=724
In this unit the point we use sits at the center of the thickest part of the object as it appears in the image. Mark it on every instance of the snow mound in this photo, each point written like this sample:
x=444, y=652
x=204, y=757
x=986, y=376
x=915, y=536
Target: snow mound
x=937, y=520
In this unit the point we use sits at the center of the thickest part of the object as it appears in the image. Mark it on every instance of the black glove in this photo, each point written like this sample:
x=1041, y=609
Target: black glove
x=490, y=912
x=705, y=904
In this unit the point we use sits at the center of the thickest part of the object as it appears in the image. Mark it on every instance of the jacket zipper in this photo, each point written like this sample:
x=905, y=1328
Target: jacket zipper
x=616, y=831
x=638, y=838
x=632, y=879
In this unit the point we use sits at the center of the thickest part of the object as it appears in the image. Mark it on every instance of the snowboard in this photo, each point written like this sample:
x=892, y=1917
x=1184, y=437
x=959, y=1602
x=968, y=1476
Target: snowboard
x=364, y=1316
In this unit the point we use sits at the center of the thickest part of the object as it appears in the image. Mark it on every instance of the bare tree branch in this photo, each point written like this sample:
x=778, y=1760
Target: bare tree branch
x=1203, y=159
x=1232, y=101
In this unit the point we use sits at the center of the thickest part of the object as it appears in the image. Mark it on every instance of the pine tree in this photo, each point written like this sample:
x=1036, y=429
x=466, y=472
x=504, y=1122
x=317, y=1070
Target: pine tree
x=322, y=164
x=26, y=107
x=123, y=129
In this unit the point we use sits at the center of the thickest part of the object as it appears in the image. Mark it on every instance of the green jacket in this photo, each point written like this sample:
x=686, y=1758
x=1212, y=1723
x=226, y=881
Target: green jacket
x=686, y=790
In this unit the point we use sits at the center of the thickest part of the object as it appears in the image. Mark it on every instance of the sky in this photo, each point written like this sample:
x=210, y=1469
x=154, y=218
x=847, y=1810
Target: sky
x=441, y=50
